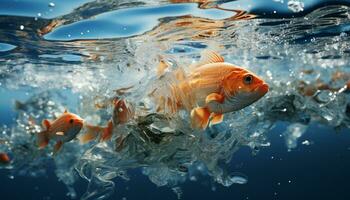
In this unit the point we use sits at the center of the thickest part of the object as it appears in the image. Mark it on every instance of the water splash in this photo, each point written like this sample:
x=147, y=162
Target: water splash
x=303, y=59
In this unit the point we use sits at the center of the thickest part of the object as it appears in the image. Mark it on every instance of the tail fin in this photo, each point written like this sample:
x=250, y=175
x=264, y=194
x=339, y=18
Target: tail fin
x=91, y=134
x=42, y=139
x=4, y=158
x=107, y=132
x=200, y=118
x=57, y=147
x=94, y=131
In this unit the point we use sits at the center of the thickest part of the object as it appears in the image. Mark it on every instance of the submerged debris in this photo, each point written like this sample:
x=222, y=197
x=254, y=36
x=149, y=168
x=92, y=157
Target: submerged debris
x=296, y=6
x=239, y=179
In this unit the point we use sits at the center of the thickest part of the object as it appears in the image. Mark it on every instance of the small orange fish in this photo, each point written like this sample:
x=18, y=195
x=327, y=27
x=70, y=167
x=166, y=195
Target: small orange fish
x=122, y=113
x=213, y=88
x=4, y=158
x=63, y=129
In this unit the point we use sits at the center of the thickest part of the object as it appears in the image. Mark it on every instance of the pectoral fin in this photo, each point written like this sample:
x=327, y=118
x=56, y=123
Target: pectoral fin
x=57, y=147
x=200, y=117
x=214, y=102
x=216, y=119
x=214, y=97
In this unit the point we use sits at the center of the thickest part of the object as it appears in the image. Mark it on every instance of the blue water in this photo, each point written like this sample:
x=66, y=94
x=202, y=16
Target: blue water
x=57, y=55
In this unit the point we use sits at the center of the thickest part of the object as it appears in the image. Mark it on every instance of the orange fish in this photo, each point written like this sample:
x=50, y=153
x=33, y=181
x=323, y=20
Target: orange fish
x=63, y=129
x=122, y=113
x=4, y=158
x=214, y=87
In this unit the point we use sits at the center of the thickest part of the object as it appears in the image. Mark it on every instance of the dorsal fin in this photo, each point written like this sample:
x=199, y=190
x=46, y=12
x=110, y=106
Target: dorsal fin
x=65, y=110
x=46, y=124
x=210, y=56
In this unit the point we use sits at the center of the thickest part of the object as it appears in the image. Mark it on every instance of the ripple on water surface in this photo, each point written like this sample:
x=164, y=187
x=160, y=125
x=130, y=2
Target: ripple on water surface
x=6, y=47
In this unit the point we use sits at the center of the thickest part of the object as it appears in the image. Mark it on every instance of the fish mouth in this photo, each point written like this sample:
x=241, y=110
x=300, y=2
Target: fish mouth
x=79, y=122
x=262, y=89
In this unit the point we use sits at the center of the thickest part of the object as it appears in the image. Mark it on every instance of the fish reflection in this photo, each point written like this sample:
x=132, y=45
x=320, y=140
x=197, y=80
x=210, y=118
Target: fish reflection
x=195, y=28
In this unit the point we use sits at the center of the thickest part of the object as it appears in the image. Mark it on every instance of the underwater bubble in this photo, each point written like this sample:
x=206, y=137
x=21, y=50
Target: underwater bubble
x=306, y=142
x=293, y=133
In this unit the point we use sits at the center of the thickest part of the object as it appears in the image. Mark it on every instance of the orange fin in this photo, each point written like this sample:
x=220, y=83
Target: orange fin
x=91, y=134
x=46, y=124
x=107, y=132
x=214, y=101
x=207, y=57
x=216, y=118
x=214, y=97
x=57, y=147
x=42, y=139
x=94, y=131
x=4, y=158
x=200, y=117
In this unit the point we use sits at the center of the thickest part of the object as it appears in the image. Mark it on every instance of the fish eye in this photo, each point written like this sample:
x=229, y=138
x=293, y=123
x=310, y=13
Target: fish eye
x=248, y=79
x=71, y=121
